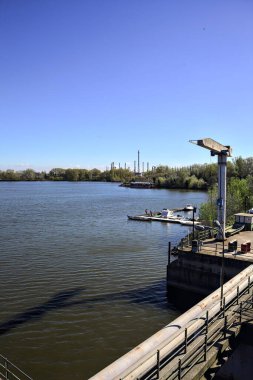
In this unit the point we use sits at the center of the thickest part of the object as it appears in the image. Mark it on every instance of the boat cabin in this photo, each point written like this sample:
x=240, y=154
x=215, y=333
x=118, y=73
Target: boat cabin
x=244, y=218
x=166, y=213
x=188, y=207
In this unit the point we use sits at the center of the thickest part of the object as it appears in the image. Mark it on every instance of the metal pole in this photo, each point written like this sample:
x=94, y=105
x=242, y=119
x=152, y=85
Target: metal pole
x=205, y=348
x=169, y=251
x=158, y=364
x=6, y=370
x=222, y=270
x=185, y=340
x=222, y=173
x=222, y=234
x=193, y=212
x=240, y=318
x=207, y=321
x=225, y=326
x=179, y=369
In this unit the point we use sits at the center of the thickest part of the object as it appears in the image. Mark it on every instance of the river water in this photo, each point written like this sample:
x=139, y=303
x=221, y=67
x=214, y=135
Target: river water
x=80, y=284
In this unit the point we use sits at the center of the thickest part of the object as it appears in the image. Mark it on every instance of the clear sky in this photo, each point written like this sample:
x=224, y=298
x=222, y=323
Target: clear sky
x=84, y=83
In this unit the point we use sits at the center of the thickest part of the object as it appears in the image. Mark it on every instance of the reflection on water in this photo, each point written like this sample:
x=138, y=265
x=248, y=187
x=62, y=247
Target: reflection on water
x=81, y=284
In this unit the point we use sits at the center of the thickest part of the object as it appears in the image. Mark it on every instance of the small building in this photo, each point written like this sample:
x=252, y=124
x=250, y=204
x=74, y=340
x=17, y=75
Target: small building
x=246, y=219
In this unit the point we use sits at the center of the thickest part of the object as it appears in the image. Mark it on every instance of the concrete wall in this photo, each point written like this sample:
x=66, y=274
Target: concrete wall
x=199, y=274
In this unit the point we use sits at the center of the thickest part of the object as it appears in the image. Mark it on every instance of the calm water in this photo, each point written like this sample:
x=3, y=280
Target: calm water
x=80, y=284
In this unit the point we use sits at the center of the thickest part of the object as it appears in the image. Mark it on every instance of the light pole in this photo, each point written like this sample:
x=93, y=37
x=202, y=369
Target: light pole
x=193, y=212
x=217, y=223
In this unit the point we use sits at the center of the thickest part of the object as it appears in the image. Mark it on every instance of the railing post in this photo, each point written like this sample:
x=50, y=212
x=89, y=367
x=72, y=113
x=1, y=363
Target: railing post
x=237, y=296
x=224, y=306
x=6, y=370
x=240, y=319
x=248, y=284
x=207, y=321
x=205, y=349
x=179, y=369
x=185, y=340
x=225, y=326
x=158, y=364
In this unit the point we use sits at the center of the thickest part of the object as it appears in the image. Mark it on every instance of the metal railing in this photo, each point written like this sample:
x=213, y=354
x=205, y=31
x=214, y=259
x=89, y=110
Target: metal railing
x=195, y=346
x=9, y=371
x=198, y=235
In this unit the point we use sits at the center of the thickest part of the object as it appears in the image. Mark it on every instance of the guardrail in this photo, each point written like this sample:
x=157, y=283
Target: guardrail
x=9, y=371
x=173, y=351
x=195, y=347
x=198, y=235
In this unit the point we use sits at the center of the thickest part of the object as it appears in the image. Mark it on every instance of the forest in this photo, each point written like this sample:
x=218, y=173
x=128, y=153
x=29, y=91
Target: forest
x=194, y=177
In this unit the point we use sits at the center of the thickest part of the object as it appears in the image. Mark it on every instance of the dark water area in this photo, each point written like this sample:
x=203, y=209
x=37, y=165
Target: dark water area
x=80, y=284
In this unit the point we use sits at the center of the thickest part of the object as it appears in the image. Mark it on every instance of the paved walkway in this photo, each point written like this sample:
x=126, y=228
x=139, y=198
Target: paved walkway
x=215, y=247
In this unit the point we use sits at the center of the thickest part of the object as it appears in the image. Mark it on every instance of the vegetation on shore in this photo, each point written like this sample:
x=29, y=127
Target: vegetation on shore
x=239, y=199
x=194, y=177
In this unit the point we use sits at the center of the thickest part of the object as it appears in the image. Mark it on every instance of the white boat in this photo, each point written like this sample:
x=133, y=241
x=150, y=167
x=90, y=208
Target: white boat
x=166, y=213
x=188, y=207
x=188, y=222
x=166, y=216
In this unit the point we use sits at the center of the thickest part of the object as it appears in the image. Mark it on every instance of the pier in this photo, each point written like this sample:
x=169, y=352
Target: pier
x=198, y=268
x=216, y=330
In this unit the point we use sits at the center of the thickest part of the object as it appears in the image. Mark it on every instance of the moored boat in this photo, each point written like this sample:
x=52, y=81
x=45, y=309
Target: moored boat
x=232, y=230
x=188, y=222
x=165, y=216
x=188, y=207
x=140, y=217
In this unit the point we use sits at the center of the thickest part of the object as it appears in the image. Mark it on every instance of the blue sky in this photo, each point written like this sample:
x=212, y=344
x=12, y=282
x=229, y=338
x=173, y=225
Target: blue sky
x=84, y=83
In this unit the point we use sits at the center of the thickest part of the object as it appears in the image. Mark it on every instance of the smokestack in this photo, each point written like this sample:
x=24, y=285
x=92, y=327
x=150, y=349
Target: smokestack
x=138, y=161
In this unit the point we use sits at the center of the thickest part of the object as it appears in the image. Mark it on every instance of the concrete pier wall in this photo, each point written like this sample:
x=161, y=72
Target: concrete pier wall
x=199, y=274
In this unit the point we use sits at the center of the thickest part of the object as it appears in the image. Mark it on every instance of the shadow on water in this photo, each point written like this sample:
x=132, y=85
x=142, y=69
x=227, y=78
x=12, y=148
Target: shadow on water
x=56, y=302
x=154, y=295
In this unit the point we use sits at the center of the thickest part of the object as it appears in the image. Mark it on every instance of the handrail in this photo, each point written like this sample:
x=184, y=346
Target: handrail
x=9, y=371
x=208, y=338
x=144, y=358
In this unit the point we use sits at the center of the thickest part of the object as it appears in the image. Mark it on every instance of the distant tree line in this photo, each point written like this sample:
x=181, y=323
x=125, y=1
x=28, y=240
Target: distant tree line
x=201, y=176
x=194, y=177
x=59, y=174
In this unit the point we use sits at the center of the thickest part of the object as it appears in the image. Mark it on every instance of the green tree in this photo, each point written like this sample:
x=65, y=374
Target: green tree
x=72, y=175
x=28, y=175
x=57, y=174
